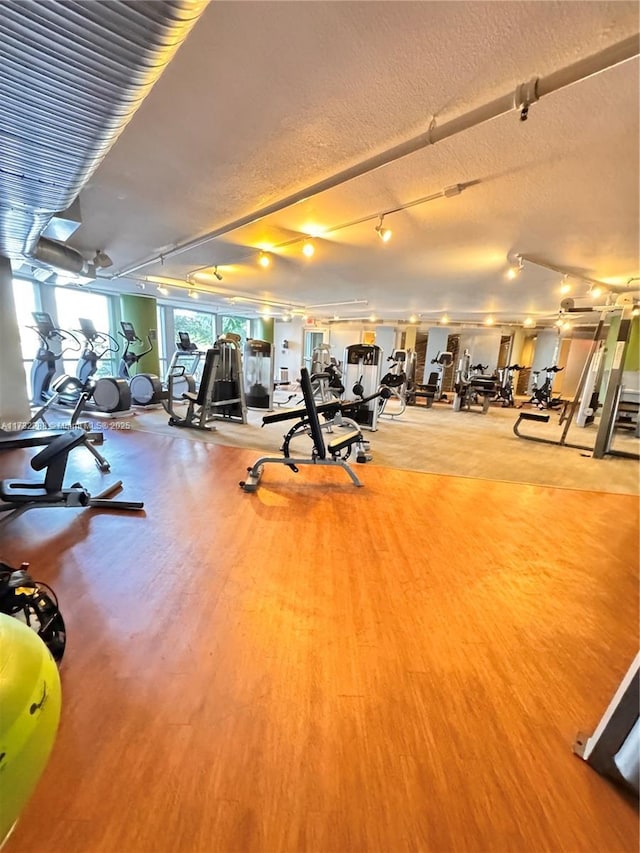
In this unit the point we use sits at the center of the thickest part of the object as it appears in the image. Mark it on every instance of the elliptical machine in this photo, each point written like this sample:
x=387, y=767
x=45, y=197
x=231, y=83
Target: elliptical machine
x=146, y=388
x=44, y=366
x=106, y=395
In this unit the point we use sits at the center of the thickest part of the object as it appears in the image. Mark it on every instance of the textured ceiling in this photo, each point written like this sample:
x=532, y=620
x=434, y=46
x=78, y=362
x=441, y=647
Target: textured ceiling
x=266, y=98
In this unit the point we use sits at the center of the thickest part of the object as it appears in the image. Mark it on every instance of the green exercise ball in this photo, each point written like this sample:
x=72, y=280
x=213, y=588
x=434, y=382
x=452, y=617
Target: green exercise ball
x=29, y=715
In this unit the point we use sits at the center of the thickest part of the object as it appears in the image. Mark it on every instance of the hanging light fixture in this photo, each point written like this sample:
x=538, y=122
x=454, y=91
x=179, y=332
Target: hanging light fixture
x=383, y=233
x=516, y=268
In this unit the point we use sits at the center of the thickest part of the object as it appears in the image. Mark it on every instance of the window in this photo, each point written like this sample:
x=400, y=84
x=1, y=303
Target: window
x=24, y=295
x=199, y=325
x=71, y=305
x=237, y=326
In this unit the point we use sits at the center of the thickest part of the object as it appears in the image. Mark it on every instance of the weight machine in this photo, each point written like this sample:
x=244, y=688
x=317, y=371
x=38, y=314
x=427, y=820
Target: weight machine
x=396, y=380
x=220, y=395
x=362, y=377
x=258, y=374
x=471, y=386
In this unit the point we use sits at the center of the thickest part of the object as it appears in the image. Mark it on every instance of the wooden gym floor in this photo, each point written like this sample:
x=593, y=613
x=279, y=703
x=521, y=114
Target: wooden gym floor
x=320, y=668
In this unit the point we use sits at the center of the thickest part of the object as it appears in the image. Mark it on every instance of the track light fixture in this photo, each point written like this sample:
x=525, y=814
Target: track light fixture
x=516, y=268
x=162, y=290
x=217, y=274
x=193, y=294
x=565, y=286
x=383, y=233
x=102, y=260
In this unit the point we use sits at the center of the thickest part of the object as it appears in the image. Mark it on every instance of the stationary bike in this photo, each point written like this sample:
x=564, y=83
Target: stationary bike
x=504, y=393
x=543, y=397
x=146, y=388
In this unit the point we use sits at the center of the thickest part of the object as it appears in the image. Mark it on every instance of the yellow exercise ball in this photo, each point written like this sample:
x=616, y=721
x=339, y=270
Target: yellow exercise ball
x=29, y=716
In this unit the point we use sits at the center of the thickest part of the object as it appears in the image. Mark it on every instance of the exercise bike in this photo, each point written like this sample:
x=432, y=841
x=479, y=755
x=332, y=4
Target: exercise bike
x=504, y=394
x=543, y=397
x=146, y=388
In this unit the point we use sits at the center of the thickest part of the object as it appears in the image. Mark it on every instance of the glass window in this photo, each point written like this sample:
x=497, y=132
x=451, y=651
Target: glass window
x=238, y=326
x=199, y=325
x=71, y=305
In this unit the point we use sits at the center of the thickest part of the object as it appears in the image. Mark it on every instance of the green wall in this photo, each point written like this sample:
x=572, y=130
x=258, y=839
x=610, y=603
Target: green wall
x=142, y=312
x=263, y=329
x=632, y=360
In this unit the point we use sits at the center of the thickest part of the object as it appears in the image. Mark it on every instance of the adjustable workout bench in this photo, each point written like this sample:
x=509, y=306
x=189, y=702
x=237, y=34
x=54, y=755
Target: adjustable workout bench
x=322, y=454
x=18, y=496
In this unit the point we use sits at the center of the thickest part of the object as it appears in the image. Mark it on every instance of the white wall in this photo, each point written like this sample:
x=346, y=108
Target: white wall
x=545, y=353
x=483, y=345
x=291, y=356
x=343, y=336
x=436, y=343
x=386, y=340
x=578, y=354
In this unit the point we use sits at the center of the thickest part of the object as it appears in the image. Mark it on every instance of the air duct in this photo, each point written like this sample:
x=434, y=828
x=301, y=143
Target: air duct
x=72, y=75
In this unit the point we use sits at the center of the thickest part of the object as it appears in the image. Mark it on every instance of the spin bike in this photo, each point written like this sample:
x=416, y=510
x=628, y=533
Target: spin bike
x=504, y=393
x=542, y=397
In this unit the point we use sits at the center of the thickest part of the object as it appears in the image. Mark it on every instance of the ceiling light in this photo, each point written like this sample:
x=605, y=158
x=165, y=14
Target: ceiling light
x=528, y=321
x=383, y=233
x=444, y=319
x=308, y=249
x=489, y=321
x=264, y=260
x=565, y=287
x=595, y=292
x=372, y=318
x=413, y=319
x=162, y=290
x=516, y=268
x=217, y=274
x=193, y=294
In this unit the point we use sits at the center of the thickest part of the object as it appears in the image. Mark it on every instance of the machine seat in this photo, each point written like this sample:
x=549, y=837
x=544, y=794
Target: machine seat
x=23, y=491
x=342, y=441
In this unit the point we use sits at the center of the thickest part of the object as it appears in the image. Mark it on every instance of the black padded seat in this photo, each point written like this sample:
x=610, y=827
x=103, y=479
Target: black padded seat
x=532, y=416
x=22, y=491
x=343, y=441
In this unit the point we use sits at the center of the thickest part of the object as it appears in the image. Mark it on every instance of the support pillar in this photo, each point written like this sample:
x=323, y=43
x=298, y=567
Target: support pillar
x=14, y=400
x=142, y=312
